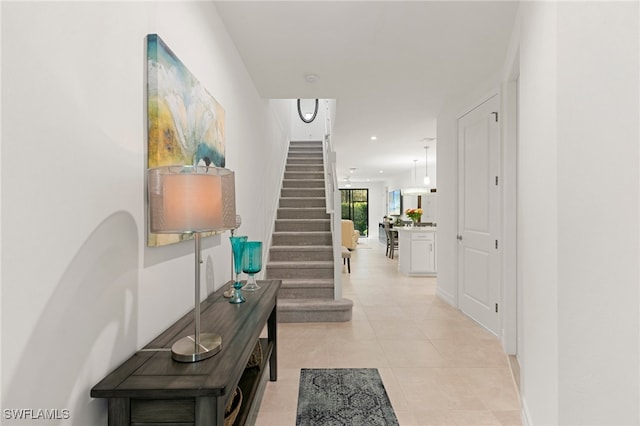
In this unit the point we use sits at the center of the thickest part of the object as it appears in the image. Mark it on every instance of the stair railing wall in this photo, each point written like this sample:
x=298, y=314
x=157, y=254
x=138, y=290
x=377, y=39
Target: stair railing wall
x=270, y=220
x=332, y=195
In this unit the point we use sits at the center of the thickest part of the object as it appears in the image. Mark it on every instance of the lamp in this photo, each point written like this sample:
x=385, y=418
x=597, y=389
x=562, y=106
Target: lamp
x=415, y=190
x=427, y=180
x=191, y=200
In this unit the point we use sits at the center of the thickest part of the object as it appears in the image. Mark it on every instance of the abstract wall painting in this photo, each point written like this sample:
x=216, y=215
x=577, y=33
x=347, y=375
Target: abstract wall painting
x=186, y=125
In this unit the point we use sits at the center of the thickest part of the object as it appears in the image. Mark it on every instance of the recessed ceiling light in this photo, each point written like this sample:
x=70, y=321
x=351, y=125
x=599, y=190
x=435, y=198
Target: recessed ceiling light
x=373, y=138
x=311, y=78
x=381, y=171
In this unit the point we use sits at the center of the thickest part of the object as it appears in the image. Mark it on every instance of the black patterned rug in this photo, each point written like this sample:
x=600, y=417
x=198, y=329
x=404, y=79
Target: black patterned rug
x=343, y=396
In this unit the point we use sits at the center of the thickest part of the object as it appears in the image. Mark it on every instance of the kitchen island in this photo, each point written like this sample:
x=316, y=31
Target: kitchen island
x=417, y=250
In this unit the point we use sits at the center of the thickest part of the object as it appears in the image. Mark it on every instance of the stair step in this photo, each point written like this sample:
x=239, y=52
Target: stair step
x=302, y=238
x=314, y=143
x=302, y=213
x=315, y=161
x=300, y=202
x=303, y=175
x=302, y=192
x=302, y=225
x=303, y=183
x=314, y=310
x=306, y=288
x=304, y=168
x=312, y=238
x=316, y=154
x=300, y=253
x=289, y=270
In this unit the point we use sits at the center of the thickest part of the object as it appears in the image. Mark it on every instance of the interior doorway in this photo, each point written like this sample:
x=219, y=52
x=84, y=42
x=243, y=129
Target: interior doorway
x=355, y=207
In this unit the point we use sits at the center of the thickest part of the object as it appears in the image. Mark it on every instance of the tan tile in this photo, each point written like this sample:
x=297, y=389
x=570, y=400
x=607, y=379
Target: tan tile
x=471, y=354
x=474, y=417
x=494, y=387
x=288, y=331
x=437, y=365
x=356, y=354
x=275, y=418
x=397, y=329
x=433, y=418
x=414, y=352
x=443, y=329
x=385, y=313
x=302, y=353
x=352, y=330
x=509, y=418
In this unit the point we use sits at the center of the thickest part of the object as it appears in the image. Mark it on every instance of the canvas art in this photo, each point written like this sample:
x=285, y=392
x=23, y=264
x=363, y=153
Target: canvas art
x=185, y=123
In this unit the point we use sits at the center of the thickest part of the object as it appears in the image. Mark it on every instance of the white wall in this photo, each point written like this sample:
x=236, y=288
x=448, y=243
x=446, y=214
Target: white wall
x=80, y=290
x=598, y=205
x=577, y=214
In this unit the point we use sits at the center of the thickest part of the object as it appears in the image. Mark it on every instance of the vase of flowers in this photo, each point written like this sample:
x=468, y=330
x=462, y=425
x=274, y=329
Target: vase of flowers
x=414, y=214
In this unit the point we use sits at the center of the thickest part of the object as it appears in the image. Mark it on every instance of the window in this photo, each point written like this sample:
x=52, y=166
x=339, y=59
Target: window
x=355, y=206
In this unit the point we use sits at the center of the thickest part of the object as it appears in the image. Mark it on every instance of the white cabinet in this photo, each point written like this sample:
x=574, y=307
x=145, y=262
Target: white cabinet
x=417, y=251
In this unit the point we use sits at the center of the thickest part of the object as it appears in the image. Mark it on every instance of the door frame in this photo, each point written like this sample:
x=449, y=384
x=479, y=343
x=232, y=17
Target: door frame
x=511, y=287
x=510, y=293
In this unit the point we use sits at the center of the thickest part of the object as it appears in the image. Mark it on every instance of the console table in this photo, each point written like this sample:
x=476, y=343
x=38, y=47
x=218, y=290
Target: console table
x=150, y=388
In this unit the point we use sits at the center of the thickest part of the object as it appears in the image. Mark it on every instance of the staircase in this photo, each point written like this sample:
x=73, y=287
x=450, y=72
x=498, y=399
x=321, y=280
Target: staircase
x=301, y=253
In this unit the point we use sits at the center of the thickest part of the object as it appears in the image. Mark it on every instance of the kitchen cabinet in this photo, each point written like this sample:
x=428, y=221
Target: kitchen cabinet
x=417, y=251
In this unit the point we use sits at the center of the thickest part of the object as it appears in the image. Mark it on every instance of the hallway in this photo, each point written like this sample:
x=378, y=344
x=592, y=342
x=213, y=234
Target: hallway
x=438, y=366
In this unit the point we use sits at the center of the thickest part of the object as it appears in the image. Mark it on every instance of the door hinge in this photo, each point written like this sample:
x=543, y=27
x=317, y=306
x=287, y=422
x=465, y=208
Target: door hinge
x=496, y=244
x=496, y=307
x=496, y=115
x=496, y=180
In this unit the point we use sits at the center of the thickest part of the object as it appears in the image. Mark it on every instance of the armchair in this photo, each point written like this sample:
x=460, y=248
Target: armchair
x=349, y=234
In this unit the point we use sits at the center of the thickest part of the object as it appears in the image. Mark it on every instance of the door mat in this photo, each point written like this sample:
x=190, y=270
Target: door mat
x=343, y=396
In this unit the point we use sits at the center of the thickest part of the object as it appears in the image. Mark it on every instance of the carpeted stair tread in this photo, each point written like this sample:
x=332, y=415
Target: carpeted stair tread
x=307, y=282
x=302, y=248
x=302, y=232
x=309, y=264
x=313, y=304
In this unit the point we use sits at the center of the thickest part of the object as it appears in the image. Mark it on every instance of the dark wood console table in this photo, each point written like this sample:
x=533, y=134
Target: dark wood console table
x=150, y=388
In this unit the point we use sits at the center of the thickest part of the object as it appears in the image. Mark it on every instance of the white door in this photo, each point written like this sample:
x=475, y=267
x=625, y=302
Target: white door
x=478, y=214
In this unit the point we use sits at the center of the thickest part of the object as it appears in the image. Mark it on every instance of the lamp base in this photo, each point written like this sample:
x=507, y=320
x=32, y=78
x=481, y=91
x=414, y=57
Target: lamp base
x=185, y=350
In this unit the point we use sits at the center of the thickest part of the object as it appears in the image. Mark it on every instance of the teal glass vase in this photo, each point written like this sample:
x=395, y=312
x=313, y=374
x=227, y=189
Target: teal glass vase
x=252, y=263
x=237, y=246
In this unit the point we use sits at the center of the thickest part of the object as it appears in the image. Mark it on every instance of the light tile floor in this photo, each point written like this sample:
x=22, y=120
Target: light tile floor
x=437, y=365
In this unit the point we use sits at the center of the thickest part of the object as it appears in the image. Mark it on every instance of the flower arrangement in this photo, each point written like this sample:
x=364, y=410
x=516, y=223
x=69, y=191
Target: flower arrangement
x=414, y=214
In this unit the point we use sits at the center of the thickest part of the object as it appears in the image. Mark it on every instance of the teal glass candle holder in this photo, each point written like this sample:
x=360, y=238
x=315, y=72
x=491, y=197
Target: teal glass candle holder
x=252, y=263
x=237, y=246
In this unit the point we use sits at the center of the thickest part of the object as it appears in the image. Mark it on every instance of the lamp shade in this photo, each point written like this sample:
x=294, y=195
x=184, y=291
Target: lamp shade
x=190, y=199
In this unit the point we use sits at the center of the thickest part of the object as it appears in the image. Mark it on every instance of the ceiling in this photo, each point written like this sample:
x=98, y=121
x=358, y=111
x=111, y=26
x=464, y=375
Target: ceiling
x=389, y=65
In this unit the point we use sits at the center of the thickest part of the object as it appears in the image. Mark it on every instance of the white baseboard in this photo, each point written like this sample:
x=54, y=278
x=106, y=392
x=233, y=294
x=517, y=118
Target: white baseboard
x=524, y=413
x=446, y=297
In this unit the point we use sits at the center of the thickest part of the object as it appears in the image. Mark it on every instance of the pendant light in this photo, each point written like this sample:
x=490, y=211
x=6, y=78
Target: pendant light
x=427, y=180
x=415, y=190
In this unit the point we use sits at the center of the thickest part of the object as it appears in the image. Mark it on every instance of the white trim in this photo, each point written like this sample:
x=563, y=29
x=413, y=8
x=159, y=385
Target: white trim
x=484, y=98
x=446, y=296
x=509, y=220
x=524, y=413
